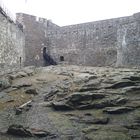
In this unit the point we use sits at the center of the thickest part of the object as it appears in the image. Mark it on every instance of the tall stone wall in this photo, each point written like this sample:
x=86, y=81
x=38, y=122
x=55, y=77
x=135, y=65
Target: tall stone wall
x=93, y=43
x=36, y=40
x=112, y=42
x=11, y=44
x=128, y=48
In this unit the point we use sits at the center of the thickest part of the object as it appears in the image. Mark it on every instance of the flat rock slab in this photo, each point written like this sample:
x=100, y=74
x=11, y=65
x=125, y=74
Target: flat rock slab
x=20, y=85
x=61, y=106
x=117, y=110
x=103, y=135
x=18, y=75
x=92, y=120
x=121, y=84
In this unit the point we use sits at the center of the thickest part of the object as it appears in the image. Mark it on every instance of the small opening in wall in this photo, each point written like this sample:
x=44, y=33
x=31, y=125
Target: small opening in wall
x=44, y=50
x=20, y=59
x=61, y=58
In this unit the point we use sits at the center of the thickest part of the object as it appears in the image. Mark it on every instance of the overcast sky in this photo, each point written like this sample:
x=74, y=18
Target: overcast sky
x=66, y=12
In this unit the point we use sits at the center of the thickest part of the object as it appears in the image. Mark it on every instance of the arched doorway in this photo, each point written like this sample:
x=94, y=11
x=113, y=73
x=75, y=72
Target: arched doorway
x=61, y=58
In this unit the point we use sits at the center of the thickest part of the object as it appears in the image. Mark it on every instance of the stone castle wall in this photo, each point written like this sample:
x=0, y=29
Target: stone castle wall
x=35, y=29
x=11, y=44
x=112, y=42
x=128, y=43
x=93, y=43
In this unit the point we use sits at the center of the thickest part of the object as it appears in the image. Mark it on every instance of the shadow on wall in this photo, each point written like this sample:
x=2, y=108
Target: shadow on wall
x=47, y=58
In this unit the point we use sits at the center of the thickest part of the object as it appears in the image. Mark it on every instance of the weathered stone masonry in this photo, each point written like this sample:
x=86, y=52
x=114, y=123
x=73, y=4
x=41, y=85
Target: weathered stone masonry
x=38, y=41
x=11, y=44
x=128, y=45
x=113, y=42
x=36, y=38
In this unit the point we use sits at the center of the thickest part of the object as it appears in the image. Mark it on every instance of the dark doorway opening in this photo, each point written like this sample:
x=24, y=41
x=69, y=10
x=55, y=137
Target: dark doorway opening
x=47, y=58
x=61, y=58
x=44, y=50
x=20, y=61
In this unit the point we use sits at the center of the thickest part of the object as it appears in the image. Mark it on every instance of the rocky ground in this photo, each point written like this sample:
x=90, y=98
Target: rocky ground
x=70, y=103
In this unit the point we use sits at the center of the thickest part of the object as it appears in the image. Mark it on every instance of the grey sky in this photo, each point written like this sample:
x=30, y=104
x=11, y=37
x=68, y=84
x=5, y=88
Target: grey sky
x=65, y=12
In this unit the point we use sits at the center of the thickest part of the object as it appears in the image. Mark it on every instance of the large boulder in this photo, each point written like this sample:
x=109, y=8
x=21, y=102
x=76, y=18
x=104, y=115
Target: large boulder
x=19, y=130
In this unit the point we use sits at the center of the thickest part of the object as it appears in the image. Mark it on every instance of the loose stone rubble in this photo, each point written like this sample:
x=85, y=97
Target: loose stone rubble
x=70, y=103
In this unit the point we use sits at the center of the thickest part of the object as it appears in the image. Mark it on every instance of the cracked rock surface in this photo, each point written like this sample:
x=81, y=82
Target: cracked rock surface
x=70, y=103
